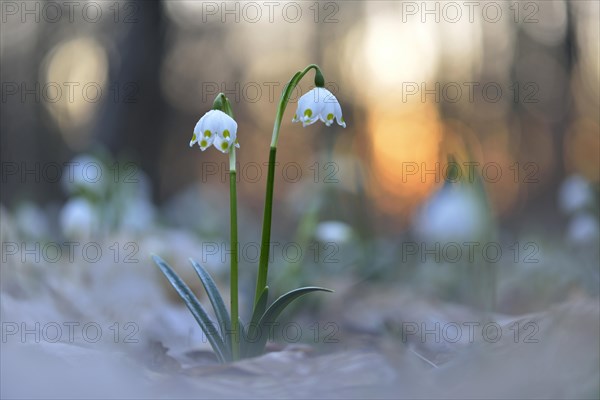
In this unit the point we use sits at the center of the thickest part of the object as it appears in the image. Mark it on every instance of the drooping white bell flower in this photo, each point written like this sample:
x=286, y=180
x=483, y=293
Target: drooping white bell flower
x=319, y=103
x=215, y=128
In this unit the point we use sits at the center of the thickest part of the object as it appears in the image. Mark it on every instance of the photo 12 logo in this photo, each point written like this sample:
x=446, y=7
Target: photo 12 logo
x=469, y=252
x=253, y=172
x=52, y=12
x=72, y=172
x=469, y=171
x=470, y=11
x=252, y=12
x=70, y=92
x=253, y=92
x=70, y=252
x=290, y=332
x=469, y=332
x=470, y=92
x=289, y=252
x=69, y=332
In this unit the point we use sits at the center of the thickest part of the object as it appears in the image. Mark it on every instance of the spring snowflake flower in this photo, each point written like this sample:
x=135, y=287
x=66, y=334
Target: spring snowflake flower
x=215, y=128
x=319, y=103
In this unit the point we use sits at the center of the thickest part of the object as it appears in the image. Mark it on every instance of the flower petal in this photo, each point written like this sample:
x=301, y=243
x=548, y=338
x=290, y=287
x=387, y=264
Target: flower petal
x=211, y=125
x=205, y=142
x=309, y=107
x=338, y=115
x=194, y=139
x=227, y=127
x=221, y=144
x=331, y=110
x=198, y=130
x=328, y=113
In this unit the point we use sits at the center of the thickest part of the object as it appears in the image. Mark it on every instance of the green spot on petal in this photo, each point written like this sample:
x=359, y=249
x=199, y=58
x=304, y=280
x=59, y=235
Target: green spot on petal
x=308, y=113
x=224, y=145
x=194, y=137
x=226, y=133
x=330, y=117
x=203, y=143
x=207, y=133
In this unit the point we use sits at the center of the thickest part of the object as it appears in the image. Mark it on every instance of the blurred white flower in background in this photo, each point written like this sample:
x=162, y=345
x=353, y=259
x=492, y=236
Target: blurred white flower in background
x=138, y=216
x=576, y=198
x=454, y=213
x=133, y=205
x=583, y=229
x=79, y=219
x=575, y=194
x=32, y=221
x=8, y=227
x=333, y=231
x=85, y=174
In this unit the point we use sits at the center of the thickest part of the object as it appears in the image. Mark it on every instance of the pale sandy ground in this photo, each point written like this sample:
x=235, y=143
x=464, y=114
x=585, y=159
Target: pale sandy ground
x=564, y=363
x=371, y=358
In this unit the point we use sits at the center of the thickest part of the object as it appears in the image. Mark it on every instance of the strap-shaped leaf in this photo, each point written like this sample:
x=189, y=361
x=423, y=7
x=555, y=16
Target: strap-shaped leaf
x=242, y=339
x=217, y=302
x=259, y=310
x=273, y=313
x=196, y=309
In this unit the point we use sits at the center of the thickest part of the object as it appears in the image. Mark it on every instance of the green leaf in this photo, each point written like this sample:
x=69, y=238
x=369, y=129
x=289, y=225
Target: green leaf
x=243, y=338
x=217, y=302
x=259, y=310
x=196, y=309
x=273, y=312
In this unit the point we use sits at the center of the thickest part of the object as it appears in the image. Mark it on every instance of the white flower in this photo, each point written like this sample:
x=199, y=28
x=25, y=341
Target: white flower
x=333, y=232
x=319, y=103
x=85, y=174
x=575, y=194
x=454, y=213
x=32, y=220
x=583, y=229
x=215, y=128
x=79, y=219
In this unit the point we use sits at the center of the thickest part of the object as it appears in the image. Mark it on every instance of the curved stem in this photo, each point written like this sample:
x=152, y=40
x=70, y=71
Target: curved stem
x=285, y=98
x=263, y=264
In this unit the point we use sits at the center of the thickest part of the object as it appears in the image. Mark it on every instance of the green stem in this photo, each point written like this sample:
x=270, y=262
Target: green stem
x=235, y=343
x=263, y=264
x=265, y=245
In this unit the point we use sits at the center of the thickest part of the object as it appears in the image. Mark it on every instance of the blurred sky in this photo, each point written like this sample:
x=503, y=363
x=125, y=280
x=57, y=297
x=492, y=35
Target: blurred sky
x=512, y=86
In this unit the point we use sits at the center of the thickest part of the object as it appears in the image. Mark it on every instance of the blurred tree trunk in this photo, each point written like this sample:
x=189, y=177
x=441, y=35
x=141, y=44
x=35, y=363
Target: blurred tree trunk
x=133, y=117
x=543, y=206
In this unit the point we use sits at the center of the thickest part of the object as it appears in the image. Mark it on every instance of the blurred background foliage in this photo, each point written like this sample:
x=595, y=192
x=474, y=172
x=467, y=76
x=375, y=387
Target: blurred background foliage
x=359, y=202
